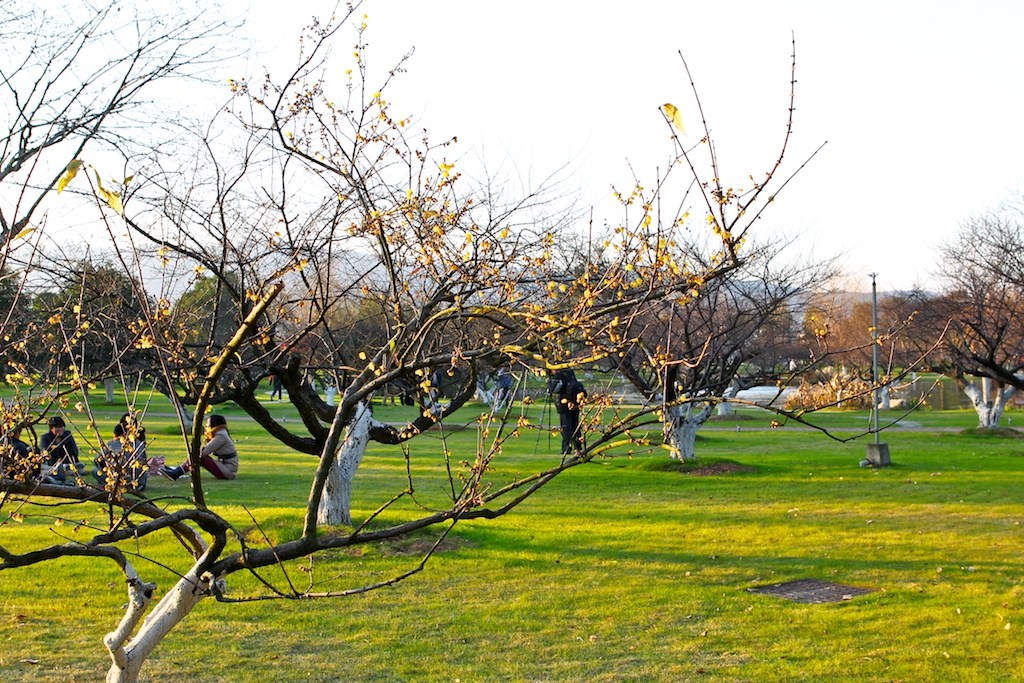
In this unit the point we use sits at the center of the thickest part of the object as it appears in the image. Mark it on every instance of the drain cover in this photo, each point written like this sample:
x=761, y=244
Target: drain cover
x=811, y=591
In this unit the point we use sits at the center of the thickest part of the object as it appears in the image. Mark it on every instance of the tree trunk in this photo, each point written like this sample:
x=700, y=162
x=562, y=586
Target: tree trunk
x=990, y=412
x=681, y=425
x=171, y=610
x=726, y=408
x=109, y=385
x=483, y=394
x=335, y=504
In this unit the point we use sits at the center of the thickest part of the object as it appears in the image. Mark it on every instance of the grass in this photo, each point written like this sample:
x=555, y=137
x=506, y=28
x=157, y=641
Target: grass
x=623, y=570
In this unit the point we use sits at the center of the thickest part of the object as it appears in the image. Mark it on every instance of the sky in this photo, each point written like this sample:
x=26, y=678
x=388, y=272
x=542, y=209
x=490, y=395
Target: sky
x=919, y=104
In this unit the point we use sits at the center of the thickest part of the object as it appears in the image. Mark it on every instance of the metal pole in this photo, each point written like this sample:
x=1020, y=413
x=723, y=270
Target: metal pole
x=874, y=349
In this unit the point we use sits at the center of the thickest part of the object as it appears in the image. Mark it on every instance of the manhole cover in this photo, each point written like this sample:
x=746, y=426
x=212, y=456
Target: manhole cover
x=811, y=591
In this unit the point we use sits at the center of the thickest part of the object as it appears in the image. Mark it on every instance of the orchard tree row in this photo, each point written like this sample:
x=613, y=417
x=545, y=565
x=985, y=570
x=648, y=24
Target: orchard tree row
x=309, y=228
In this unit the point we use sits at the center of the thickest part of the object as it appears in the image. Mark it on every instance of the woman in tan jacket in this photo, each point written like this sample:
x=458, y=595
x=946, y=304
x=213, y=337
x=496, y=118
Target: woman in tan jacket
x=218, y=456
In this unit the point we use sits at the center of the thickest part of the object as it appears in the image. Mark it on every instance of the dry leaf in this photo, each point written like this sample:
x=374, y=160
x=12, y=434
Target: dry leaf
x=672, y=112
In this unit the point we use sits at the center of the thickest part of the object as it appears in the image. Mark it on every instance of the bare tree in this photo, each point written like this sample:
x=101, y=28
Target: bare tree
x=325, y=206
x=837, y=341
x=75, y=81
x=735, y=333
x=979, y=313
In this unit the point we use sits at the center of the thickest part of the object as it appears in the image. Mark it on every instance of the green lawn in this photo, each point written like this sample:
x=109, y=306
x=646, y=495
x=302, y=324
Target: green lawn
x=623, y=570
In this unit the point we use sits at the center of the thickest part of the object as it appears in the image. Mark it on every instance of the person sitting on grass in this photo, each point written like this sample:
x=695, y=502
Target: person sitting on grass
x=219, y=456
x=123, y=460
x=16, y=458
x=61, y=452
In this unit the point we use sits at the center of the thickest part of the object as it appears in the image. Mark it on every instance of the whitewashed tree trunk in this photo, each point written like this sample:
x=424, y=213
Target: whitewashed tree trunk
x=484, y=395
x=884, y=398
x=169, y=612
x=336, y=502
x=681, y=425
x=725, y=408
x=990, y=411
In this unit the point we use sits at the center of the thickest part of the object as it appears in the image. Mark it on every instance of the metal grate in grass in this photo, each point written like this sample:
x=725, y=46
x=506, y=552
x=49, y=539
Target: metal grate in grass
x=811, y=591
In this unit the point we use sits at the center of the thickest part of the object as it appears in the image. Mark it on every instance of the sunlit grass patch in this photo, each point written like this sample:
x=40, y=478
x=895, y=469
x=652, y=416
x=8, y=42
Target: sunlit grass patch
x=627, y=569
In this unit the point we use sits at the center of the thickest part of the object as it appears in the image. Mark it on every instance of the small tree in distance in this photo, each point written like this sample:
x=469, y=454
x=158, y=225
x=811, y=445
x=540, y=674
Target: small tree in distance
x=979, y=315
x=695, y=355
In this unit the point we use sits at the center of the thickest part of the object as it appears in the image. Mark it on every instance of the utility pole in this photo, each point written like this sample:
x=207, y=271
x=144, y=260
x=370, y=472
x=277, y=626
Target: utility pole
x=874, y=351
x=878, y=453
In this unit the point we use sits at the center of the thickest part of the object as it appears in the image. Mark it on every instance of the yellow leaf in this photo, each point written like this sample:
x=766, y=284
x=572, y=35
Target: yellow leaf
x=114, y=202
x=672, y=112
x=24, y=233
x=112, y=198
x=69, y=174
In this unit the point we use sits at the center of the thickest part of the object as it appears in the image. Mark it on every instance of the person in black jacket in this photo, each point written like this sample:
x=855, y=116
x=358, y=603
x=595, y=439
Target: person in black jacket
x=60, y=450
x=568, y=394
x=16, y=459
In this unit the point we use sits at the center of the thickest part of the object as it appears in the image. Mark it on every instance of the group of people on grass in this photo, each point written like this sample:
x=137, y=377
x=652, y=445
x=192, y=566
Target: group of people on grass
x=565, y=391
x=123, y=463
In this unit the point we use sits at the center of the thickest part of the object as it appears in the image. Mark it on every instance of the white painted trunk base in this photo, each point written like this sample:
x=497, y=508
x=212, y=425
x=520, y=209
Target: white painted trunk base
x=681, y=425
x=989, y=412
x=129, y=655
x=336, y=502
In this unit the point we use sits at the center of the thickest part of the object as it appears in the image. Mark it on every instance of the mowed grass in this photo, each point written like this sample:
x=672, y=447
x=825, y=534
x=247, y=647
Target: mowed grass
x=622, y=570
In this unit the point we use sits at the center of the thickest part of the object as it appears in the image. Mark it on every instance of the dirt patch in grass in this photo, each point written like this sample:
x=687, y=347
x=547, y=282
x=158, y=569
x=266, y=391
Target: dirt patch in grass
x=995, y=433
x=419, y=546
x=712, y=469
x=698, y=468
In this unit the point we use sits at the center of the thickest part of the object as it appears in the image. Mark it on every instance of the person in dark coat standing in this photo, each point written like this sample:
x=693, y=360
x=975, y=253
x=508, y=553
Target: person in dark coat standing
x=568, y=394
x=503, y=389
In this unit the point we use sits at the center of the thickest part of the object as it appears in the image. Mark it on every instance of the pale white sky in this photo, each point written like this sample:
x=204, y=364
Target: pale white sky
x=921, y=102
